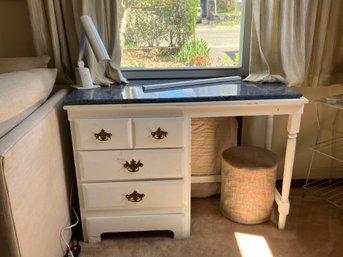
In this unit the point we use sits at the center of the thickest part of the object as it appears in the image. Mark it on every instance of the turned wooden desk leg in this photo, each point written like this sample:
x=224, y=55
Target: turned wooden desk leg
x=269, y=131
x=293, y=129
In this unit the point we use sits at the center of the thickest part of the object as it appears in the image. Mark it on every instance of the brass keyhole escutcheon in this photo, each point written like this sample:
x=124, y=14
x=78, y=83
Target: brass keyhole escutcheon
x=135, y=197
x=103, y=135
x=133, y=166
x=159, y=134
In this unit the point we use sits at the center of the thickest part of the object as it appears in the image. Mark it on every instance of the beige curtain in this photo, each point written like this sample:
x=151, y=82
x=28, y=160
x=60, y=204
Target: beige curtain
x=56, y=32
x=300, y=42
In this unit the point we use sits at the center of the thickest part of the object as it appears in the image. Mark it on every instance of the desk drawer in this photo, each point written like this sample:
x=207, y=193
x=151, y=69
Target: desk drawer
x=131, y=164
x=92, y=134
x=147, y=195
x=159, y=132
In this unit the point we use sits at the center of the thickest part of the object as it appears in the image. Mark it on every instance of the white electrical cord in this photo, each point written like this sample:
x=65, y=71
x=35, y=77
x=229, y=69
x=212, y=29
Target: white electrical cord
x=70, y=253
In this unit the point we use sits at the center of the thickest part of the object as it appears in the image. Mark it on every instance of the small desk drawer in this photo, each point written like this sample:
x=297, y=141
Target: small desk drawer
x=131, y=164
x=159, y=132
x=102, y=134
x=147, y=195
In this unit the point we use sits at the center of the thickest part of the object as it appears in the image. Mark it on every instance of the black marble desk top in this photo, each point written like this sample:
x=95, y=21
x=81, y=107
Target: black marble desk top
x=134, y=93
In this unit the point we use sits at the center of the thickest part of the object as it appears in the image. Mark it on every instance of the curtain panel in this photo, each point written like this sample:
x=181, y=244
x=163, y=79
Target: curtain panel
x=57, y=30
x=297, y=42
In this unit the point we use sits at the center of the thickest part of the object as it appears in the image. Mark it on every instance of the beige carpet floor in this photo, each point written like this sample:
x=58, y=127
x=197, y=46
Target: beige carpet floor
x=314, y=229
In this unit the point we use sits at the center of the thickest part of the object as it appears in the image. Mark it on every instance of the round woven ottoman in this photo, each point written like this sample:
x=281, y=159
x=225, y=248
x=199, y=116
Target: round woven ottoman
x=248, y=184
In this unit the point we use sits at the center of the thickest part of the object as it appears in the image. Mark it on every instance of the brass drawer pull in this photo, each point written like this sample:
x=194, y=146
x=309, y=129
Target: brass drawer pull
x=159, y=134
x=133, y=166
x=135, y=197
x=103, y=135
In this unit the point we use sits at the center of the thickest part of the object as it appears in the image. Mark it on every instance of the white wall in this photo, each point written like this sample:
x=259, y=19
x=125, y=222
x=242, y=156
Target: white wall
x=252, y=127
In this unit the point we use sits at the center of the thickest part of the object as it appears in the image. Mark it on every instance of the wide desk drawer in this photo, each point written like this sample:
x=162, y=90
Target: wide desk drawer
x=125, y=133
x=131, y=164
x=147, y=195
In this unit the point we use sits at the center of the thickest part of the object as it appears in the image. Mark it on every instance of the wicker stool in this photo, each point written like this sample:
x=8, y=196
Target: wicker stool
x=248, y=184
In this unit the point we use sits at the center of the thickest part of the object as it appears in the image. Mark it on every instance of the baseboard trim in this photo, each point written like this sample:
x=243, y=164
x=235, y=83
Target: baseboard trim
x=294, y=182
x=217, y=179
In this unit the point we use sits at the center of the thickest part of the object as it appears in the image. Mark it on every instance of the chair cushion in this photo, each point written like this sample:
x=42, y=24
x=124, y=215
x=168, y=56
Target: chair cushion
x=22, y=92
x=23, y=63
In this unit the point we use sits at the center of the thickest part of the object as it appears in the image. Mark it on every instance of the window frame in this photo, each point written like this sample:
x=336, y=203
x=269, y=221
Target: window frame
x=194, y=72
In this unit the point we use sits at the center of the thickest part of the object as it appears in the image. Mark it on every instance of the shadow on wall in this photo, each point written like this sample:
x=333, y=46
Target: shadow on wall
x=16, y=39
x=252, y=127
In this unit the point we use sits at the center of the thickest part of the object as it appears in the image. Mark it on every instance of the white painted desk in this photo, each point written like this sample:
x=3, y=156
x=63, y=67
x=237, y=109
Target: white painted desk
x=127, y=105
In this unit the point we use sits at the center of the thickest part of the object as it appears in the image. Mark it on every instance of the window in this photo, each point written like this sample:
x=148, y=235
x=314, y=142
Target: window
x=185, y=38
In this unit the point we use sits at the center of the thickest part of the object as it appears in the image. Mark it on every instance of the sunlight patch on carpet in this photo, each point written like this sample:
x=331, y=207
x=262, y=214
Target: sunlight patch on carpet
x=252, y=245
